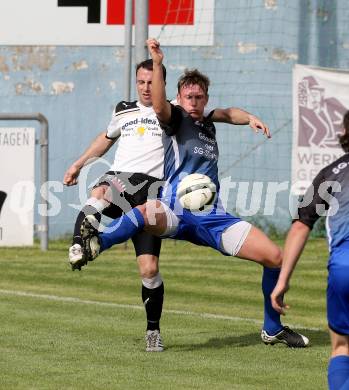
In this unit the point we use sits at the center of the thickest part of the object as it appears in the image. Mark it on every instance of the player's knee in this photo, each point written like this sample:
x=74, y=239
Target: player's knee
x=153, y=212
x=96, y=201
x=98, y=192
x=153, y=206
x=149, y=273
x=274, y=259
x=143, y=209
x=148, y=266
x=339, y=344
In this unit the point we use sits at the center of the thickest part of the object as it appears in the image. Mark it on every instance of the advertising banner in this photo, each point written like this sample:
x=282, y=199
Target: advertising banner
x=101, y=22
x=320, y=99
x=17, y=189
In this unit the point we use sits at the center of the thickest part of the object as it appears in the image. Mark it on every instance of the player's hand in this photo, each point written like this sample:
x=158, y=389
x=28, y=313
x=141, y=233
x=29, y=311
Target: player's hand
x=71, y=176
x=154, y=49
x=277, y=298
x=256, y=124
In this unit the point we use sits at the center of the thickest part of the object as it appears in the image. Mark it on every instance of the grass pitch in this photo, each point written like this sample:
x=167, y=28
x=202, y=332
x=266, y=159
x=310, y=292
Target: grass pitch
x=85, y=330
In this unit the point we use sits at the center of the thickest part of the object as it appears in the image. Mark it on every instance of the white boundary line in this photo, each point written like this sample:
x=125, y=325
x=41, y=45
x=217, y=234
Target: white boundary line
x=136, y=307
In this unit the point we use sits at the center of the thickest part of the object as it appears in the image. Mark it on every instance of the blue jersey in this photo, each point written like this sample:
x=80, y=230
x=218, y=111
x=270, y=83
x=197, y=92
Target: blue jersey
x=329, y=195
x=190, y=147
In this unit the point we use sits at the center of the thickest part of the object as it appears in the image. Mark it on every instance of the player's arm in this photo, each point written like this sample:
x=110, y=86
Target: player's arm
x=99, y=146
x=236, y=116
x=294, y=245
x=297, y=236
x=161, y=106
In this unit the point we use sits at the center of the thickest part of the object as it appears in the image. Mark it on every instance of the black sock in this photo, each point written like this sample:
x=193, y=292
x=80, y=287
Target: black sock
x=87, y=210
x=153, y=300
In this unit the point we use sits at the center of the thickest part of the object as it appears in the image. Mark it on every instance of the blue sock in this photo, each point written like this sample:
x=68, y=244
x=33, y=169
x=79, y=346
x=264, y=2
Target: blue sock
x=272, y=323
x=338, y=373
x=121, y=229
x=345, y=385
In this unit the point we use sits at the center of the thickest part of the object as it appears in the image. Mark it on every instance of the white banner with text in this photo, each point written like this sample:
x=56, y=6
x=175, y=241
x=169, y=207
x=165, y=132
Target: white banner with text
x=320, y=99
x=101, y=22
x=17, y=189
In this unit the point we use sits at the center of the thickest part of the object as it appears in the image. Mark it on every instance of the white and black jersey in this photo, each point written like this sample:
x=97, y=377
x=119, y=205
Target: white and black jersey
x=138, y=165
x=140, y=148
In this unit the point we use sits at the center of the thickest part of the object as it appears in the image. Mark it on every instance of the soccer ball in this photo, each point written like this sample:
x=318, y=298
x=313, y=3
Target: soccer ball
x=196, y=191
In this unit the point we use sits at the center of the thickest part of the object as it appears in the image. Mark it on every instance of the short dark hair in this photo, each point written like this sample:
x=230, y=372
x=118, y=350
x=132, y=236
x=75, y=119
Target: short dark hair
x=191, y=77
x=148, y=64
x=344, y=138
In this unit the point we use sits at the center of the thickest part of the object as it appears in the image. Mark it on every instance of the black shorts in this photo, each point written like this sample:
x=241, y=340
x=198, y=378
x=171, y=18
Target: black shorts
x=129, y=190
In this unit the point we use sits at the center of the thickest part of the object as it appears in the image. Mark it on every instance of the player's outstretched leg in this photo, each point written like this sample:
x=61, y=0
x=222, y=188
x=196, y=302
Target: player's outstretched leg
x=118, y=231
x=75, y=251
x=258, y=247
x=286, y=336
x=94, y=206
x=90, y=238
x=75, y=256
x=273, y=331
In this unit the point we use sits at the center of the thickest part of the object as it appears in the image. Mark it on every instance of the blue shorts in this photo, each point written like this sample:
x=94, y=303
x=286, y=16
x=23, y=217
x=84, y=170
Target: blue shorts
x=338, y=289
x=204, y=229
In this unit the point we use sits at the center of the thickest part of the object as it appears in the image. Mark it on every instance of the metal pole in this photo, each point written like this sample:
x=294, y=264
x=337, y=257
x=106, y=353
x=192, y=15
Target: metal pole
x=128, y=49
x=43, y=141
x=141, y=31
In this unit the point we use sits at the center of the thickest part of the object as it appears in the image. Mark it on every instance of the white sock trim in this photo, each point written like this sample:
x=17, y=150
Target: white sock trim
x=153, y=282
x=98, y=204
